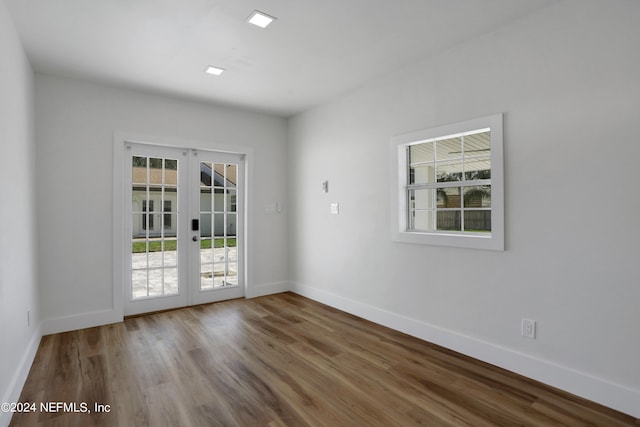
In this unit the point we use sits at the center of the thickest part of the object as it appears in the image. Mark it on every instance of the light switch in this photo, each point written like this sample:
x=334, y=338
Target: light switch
x=335, y=208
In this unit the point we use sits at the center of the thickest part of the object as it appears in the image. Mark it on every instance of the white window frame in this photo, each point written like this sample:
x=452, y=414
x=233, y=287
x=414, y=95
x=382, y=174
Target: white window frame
x=399, y=181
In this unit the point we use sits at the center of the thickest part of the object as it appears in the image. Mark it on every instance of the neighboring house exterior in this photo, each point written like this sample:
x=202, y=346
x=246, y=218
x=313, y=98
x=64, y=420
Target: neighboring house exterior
x=155, y=206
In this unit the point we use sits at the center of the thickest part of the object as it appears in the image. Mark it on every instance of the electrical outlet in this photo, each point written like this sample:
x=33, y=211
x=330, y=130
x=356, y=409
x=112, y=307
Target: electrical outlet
x=529, y=328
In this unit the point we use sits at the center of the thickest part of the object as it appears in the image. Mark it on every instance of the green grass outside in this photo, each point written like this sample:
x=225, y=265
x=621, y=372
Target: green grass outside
x=170, y=245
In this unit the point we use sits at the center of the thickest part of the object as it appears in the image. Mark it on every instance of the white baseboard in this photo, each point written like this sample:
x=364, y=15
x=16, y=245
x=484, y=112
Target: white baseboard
x=105, y=317
x=80, y=321
x=581, y=384
x=268, y=289
x=14, y=389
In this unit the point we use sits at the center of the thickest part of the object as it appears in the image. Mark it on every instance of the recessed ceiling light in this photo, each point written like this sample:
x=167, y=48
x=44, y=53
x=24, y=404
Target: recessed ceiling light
x=216, y=71
x=260, y=19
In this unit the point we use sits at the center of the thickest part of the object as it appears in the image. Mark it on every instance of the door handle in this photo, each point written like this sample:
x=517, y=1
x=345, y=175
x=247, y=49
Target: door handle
x=194, y=238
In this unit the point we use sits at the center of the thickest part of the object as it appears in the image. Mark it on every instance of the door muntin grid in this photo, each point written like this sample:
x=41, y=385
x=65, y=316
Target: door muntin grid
x=154, y=227
x=218, y=225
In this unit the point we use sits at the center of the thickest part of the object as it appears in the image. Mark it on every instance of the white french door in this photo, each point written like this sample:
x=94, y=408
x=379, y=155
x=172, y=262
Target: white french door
x=217, y=203
x=184, y=215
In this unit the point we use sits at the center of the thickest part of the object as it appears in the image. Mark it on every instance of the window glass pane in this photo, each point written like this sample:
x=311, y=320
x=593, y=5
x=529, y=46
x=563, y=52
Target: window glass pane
x=205, y=174
x=479, y=168
x=421, y=220
x=422, y=174
x=449, y=220
x=477, y=196
x=448, y=197
x=421, y=199
x=478, y=144
x=449, y=171
x=479, y=221
x=232, y=176
x=421, y=153
x=447, y=149
x=139, y=170
x=205, y=199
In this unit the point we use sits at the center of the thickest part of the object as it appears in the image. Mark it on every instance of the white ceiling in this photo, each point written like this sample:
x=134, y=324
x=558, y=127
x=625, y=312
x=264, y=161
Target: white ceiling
x=317, y=49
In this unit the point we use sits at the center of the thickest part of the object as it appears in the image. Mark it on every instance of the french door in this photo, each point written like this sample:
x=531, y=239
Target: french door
x=185, y=218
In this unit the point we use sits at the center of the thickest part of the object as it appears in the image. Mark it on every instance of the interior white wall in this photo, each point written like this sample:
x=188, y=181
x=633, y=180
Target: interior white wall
x=75, y=125
x=567, y=80
x=18, y=271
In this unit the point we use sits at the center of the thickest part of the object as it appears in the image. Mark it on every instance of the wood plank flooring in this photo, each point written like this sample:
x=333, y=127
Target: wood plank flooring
x=280, y=360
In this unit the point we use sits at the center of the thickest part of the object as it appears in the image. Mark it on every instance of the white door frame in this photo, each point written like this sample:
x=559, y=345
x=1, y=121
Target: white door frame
x=121, y=240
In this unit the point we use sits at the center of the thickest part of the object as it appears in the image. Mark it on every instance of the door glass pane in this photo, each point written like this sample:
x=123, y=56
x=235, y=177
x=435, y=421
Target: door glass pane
x=218, y=225
x=230, y=201
x=231, y=224
x=232, y=273
x=218, y=200
x=154, y=214
x=155, y=171
x=205, y=225
x=205, y=174
x=218, y=175
x=205, y=199
x=232, y=176
x=139, y=170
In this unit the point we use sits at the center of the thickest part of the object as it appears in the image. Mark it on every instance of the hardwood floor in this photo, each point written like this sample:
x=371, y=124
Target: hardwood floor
x=280, y=360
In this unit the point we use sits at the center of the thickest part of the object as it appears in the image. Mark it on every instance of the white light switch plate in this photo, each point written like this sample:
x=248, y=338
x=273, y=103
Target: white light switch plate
x=335, y=208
